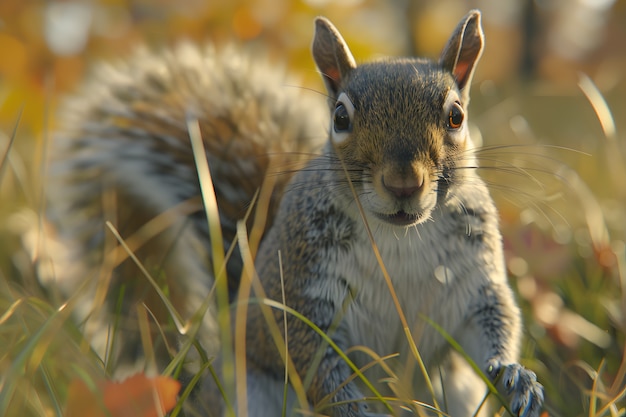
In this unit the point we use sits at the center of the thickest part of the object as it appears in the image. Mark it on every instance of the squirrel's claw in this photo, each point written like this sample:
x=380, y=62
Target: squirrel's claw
x=526, y=392
x=521, y=385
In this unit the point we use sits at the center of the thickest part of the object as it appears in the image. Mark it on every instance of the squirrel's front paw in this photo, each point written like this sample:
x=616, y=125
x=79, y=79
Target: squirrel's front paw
x=521, y=385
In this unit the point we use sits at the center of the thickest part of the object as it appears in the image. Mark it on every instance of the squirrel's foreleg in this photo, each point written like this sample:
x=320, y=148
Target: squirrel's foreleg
x=497, y=323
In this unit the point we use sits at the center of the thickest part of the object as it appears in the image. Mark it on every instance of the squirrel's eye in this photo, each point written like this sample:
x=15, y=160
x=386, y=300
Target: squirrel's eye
x=455, y=116
x=341, y=118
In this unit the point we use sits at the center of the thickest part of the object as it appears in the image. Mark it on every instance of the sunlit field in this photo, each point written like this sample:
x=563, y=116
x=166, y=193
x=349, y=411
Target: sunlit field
x=548, y=114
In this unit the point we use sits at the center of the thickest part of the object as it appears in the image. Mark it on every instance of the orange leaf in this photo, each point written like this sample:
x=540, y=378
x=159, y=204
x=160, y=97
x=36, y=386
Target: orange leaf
x=137, y=396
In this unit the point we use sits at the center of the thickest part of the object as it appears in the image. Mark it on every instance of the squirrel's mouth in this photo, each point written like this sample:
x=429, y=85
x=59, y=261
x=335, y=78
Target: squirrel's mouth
x=401, y=218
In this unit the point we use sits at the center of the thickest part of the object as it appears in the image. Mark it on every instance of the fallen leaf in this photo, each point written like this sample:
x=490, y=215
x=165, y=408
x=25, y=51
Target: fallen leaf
x=137, y=396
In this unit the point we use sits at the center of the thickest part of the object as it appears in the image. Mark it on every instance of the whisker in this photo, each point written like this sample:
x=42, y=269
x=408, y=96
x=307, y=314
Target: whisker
x=489, y=148
x=313, y=90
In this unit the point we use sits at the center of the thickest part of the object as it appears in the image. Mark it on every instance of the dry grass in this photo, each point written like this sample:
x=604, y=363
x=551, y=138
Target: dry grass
x=571, y=289
x=556, y=169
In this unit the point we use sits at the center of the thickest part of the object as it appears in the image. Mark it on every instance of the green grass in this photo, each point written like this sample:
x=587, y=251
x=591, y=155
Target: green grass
x=565, y=248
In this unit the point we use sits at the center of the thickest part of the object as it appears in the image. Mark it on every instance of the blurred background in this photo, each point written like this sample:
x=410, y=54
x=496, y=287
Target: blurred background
x=548, y=108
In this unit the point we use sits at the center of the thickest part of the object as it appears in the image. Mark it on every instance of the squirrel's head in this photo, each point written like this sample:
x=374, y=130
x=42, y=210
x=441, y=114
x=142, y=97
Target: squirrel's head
x=400, y=125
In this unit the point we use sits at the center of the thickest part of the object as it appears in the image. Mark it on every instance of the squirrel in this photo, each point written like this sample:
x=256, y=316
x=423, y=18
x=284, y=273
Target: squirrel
x=386, y=239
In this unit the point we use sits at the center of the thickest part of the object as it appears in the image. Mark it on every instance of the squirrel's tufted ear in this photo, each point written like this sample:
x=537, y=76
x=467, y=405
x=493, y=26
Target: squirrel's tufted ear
x=463, y=51
x=332, y=55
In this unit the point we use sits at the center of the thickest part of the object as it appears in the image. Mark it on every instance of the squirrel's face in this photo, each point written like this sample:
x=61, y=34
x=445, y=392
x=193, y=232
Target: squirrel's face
x=400, y=128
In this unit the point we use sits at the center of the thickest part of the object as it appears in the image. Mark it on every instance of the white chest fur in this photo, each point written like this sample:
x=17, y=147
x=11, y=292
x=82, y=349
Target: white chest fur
x=374, y=320
x=434, y=271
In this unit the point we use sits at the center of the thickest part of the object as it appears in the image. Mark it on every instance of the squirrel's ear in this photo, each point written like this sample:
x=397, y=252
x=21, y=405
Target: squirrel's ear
x=463, y=50
x=332, y=55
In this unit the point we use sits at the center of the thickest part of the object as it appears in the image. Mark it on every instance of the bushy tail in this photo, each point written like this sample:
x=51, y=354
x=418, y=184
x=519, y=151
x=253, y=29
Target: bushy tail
x=123, y=155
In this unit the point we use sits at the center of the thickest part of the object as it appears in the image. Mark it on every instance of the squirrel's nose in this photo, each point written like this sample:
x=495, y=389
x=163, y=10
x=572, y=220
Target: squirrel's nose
x=403, y=187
